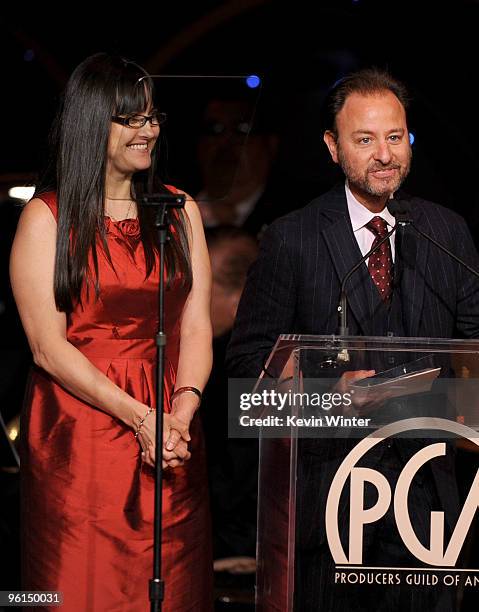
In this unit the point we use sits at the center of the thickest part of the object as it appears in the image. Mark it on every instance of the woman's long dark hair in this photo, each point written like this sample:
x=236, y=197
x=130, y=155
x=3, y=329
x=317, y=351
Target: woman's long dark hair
x=101, y=86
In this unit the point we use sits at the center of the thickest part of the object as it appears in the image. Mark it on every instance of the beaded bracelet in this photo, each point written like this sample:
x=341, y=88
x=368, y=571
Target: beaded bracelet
x=140, y=425
x=181, y=390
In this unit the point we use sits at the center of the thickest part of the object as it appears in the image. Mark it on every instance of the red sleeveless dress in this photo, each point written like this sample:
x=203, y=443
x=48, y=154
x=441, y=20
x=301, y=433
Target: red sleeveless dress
x=87, y=499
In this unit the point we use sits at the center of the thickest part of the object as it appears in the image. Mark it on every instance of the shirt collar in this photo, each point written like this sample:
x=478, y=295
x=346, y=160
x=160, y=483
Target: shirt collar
x=360, y=215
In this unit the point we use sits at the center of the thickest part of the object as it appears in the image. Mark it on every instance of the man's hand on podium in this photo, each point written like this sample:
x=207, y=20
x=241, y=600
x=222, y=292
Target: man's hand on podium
x=360, y=405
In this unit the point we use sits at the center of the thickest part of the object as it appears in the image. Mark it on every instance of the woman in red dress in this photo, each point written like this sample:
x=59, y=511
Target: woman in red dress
x=84, y=271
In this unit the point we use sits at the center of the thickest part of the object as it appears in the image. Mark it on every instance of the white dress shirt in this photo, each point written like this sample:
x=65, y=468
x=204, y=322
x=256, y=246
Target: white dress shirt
x=360, y=216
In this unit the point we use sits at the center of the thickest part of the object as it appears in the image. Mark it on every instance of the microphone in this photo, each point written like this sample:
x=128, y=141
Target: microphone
x=343, y=330
x=168, y=200
x=342, y=307
x=401, y=210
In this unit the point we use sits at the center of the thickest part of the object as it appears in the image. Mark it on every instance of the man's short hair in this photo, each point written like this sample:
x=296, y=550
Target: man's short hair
x=367, y=81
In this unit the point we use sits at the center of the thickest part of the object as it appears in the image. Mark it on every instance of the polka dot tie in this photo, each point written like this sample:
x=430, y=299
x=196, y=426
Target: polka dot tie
x=380, y=263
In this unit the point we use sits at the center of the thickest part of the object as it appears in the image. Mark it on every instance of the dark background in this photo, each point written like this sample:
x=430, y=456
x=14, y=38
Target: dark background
x=300, y=48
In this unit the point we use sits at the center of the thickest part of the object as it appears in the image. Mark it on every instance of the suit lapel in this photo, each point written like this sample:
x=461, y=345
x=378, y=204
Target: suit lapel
x=362, y=295
x=413, y=255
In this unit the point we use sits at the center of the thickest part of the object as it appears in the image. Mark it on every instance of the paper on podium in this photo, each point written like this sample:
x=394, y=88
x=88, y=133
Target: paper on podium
x=381, y=387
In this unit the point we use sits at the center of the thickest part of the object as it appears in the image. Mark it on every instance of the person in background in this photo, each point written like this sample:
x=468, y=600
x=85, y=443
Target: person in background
x=232, y=463
x=236, y=154
x=85, y=274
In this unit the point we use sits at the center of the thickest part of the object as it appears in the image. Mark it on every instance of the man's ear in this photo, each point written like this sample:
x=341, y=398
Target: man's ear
x=330, y=140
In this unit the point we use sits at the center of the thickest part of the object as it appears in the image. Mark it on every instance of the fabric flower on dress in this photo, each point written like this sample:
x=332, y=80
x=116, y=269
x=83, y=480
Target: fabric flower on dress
x=127, y=227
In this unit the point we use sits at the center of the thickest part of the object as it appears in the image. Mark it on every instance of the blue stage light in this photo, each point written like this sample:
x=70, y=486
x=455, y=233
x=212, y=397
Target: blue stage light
x=411, y=138
x=253, y=81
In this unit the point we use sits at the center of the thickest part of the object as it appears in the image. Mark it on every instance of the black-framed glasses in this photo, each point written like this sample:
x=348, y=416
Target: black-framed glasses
x=138, y=121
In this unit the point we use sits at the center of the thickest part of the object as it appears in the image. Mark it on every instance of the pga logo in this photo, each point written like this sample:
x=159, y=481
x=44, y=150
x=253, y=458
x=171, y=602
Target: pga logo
x=359, y=516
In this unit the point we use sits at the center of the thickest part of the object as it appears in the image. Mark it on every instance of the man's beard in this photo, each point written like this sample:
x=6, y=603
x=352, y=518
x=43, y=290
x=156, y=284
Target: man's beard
x=363, y=182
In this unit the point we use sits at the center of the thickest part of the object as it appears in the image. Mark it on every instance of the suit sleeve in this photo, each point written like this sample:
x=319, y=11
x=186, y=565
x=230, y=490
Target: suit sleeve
x=266, y=308
x=467, y=315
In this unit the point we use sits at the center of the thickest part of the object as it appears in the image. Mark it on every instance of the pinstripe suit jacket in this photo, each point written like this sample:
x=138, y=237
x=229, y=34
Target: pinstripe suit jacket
x=294, y=286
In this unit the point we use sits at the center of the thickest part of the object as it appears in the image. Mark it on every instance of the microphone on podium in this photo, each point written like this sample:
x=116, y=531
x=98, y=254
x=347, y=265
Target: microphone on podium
x=343, y=329
x=342, y=307
x=401, y=211
x=400, y=208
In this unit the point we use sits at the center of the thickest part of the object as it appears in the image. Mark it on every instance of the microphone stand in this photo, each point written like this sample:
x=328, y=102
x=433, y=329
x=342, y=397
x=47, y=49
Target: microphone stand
x=400, y=210
x=342, y=308
x=162, y=202
x=401, y=214
x=343, y=329
x=444, y=250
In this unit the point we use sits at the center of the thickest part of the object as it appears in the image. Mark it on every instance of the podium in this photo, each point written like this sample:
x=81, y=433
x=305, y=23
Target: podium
x=321, y=486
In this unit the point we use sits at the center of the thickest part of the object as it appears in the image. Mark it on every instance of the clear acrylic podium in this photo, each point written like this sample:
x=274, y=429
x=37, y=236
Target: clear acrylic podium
x=411, y=374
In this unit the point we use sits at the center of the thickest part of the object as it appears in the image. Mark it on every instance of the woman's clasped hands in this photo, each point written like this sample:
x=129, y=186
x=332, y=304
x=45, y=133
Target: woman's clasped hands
x=175, y=440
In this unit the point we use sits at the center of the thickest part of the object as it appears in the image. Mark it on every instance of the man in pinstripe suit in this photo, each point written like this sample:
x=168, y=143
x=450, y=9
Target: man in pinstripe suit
x=294, y=287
